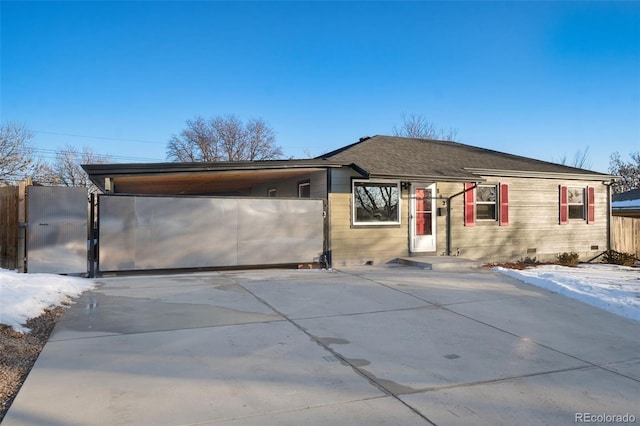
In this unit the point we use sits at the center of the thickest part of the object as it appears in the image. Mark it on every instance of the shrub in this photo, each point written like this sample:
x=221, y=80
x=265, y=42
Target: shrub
x=616, y=258
x=529, y=261
x=568, y=259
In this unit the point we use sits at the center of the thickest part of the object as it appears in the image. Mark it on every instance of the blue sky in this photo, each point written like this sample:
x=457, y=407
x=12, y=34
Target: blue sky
x=539, y=79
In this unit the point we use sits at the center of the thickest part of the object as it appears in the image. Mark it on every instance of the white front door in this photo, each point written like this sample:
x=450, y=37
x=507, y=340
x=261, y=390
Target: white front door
x=423, y=219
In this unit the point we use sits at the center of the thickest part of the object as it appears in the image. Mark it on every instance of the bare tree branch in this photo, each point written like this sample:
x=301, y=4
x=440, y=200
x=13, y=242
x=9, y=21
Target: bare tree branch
x=581, y=159
x=224, y=138
x=418, y=127
x=67, y=168
x=16, y=153
x=629, y=171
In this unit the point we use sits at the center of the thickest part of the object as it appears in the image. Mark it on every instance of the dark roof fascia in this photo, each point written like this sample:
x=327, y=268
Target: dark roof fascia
x=545, y=175
x=360, y=170
x=416, y=178
x=160, y=168
x=344, y=148
x=426, y=178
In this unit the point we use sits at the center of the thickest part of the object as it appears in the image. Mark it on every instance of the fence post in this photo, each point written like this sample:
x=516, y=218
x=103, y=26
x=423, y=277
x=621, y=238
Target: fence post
x=22, y=226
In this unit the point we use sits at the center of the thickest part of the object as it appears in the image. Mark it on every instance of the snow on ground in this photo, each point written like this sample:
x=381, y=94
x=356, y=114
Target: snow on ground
x=613, y=288
x=25, y=296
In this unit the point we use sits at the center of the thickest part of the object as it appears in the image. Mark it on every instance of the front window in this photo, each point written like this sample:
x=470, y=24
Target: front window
x=486, y=202
x=376, y=203
x=575, y=199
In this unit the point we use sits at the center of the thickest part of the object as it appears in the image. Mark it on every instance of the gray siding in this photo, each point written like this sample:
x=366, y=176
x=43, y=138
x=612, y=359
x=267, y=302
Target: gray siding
x=533, y=230
x=289, y=187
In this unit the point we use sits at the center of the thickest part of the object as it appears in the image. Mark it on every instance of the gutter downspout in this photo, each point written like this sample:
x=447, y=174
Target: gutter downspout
x=448, y=227
x=609, y=212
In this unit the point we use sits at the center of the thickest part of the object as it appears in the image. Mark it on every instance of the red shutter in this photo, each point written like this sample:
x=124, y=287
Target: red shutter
x=591, y=204
x=564, y=206
x=469, y=205
x=504, y=204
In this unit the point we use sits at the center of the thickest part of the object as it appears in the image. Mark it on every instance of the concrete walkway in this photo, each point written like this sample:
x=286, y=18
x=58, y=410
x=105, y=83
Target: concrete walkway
x=392, y=345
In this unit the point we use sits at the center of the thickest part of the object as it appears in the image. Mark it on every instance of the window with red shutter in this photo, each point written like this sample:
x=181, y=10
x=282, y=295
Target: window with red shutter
x=469, y=205
x=591, y=205
x=564, y=206
x=504, y=205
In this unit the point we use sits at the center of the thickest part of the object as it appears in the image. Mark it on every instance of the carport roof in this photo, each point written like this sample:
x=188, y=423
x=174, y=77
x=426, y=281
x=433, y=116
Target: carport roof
x=199, y=178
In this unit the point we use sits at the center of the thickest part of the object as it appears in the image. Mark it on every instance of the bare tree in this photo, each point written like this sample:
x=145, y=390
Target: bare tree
x=225, y=138
x=417, y=126
x=581, y=159
x=17, y=161
x=67, y=169
x=629, y=171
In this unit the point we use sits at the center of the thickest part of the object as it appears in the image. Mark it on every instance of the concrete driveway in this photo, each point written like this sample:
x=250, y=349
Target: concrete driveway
x=389, y=345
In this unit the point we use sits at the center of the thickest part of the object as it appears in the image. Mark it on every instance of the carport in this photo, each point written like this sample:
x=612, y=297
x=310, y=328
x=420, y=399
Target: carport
x=209, y=215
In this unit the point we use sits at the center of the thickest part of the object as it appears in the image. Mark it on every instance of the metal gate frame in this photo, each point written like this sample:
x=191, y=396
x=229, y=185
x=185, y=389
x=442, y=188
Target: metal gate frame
x=151, y=232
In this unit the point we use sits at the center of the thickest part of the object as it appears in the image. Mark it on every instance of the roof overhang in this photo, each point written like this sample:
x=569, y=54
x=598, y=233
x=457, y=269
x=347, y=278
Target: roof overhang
x=593, y=176
x=197, y=178
x=429, y=178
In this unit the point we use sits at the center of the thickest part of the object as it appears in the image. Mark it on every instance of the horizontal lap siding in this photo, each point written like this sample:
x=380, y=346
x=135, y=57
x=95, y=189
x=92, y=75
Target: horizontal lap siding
x=359, y=244
x=533, y=224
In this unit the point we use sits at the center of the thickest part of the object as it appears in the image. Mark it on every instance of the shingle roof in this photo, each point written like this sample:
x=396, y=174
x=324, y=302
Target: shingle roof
x=397, y=156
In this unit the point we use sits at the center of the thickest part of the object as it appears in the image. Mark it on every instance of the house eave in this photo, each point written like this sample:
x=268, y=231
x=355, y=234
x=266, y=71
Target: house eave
x=427, y=178
x=544, y=175
x=163, y=168
x=198, y=175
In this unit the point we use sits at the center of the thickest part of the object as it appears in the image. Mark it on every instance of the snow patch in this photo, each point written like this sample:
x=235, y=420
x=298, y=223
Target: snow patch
x=25, y=296
x=612, y=288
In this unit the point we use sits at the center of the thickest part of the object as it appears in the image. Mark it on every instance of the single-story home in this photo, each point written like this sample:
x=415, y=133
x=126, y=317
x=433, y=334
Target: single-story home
x=626, y=203
x=389, y=197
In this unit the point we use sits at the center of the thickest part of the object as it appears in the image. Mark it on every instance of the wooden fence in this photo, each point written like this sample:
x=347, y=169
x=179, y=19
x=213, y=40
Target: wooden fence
x=625, y=234
x=12, y=236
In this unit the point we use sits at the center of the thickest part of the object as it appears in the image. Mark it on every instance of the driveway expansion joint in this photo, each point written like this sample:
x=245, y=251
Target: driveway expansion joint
x=361, y=372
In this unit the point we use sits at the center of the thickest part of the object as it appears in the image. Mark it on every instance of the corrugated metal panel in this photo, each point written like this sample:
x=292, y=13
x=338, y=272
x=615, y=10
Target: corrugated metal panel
x=57, y=232
x=145, y=233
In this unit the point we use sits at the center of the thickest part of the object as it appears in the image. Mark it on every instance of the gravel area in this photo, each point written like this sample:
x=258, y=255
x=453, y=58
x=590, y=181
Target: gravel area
x=18, y=353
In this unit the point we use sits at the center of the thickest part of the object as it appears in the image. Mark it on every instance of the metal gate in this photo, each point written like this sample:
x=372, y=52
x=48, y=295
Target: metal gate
x=57, y=230
x=159, y=232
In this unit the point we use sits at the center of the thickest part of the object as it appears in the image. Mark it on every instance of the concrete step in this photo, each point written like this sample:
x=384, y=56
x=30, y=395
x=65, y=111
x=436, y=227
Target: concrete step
x=440, y=263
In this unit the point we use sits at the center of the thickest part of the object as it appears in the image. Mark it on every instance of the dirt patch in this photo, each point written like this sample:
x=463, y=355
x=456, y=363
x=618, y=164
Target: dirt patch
x=517, y=265
x=18, y=353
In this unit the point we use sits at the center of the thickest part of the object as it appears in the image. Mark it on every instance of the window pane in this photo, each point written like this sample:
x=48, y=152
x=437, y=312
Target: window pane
x=304, y=190
x=576, y=212
x=486, y=211
x=486, y=194
x=575, y=195
x=375, y=202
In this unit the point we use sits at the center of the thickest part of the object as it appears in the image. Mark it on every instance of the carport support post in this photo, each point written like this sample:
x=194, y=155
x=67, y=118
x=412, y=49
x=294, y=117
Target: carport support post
x=92, y=235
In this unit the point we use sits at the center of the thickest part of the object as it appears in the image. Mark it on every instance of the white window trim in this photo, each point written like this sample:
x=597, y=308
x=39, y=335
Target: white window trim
x=583, y=203
x=496, y=203
x=353, y=202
